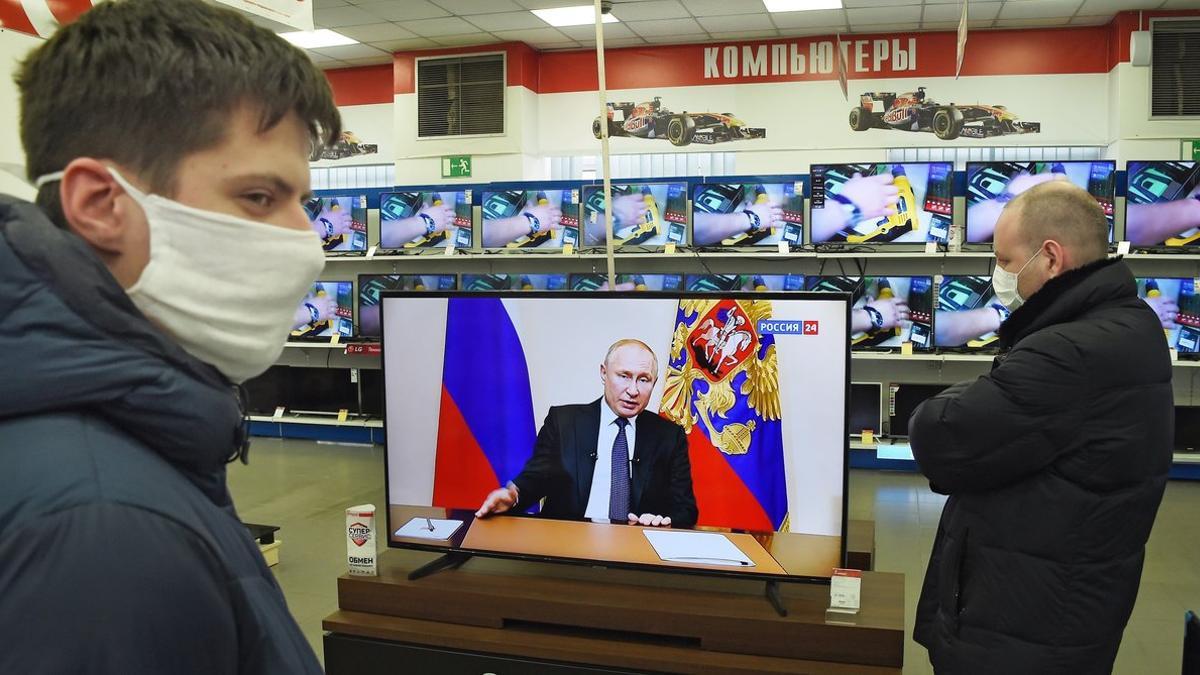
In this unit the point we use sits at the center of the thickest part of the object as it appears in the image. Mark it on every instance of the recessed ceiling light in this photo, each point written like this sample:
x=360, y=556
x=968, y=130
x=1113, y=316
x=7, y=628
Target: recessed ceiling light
x=316, y=39
x=579, y=15
x=800, y=5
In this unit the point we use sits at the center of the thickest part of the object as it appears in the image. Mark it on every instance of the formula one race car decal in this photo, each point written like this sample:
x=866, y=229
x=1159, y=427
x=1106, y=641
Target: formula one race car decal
x=347, y=146
x=652, y=120
x=913, y=111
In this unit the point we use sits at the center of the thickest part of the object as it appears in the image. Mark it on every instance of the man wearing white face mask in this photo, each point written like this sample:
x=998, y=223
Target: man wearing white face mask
x=1054, y=462
x=161, y=266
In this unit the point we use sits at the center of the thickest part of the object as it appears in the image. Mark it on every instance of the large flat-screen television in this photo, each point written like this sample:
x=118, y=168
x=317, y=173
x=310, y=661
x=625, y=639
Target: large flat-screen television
x=866, y=408
x=884, y=203
x=748, y=214
x=1162, y=204
x=370, y=286
x=514, y=282
x=719, y=283
x=644, y=214
x=1175, y=302
x=597, y=281
x=425, y=219
x=991, y=185
x=968, y=314
x=738, y=408
x=327, y=309
x=541, y=219
x=340, y=221
x=887, y=311
x=903, y=401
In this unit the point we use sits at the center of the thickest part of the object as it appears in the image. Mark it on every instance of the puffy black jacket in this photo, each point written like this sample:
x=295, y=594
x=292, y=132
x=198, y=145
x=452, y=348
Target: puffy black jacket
x=120, y=551
x=1055, y=463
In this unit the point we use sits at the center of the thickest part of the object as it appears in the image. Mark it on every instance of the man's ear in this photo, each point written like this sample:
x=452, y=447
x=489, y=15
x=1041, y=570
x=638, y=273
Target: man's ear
x=1056, y=255
x=91, y=207
x=603, y=372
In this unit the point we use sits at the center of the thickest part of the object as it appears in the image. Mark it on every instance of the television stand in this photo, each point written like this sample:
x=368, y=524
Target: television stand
x=773, y=597
x=449, y=561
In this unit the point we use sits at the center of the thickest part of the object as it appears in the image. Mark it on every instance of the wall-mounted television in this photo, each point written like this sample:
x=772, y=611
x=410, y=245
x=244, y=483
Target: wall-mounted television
x=903, y=401
x=425, y=219
x=541, y=219
x=340, y=221
x=1162, y=204
x=718, y=283
x=887, y=311
x=991, y=185
x=327, y=309
x=748, y=214
x=1175, y=303
x=968, y=314
x=626, y=282
x=370, y=286
x=514, y=282
x=644, y=214
x=882, y=203
x=506, y=392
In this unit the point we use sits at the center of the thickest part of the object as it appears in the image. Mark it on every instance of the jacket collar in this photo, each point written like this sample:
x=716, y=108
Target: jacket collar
x=1068, y=296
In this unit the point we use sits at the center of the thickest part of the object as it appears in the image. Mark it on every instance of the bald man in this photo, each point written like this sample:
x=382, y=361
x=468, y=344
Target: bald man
x=610, y=460
x=1054, y=462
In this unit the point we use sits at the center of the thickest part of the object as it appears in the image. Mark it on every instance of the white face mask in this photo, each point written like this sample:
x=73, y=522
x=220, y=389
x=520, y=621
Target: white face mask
x=1005, y=285
x=224, y=288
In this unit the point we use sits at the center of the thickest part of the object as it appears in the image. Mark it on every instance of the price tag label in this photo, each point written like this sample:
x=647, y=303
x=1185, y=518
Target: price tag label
x=669, y=249
x=450, y=248
x=371, y=252
x=278, y=413
x=568, y=249
x=1122, y=248
x=335, y=338
x=784, y=249
x=931, y=247
x=906, y=349
x=845, y=590
x=1174, y=354
x=342, y=415
x=868, y=437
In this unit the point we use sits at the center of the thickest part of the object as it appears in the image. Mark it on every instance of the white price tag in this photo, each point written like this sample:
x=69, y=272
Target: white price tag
x=450, y=248
x=845, y=590
x=278, y=413
x=1122, y=248
x=1174, y=354
x=784, y=249
x=931, y=247
x=371, y=252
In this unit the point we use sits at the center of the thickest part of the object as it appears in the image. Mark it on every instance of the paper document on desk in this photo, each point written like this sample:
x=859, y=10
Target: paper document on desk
x=420, y=528
x=699, y=548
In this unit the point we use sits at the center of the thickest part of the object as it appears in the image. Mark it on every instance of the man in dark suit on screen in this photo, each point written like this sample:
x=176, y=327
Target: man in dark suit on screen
x=609, y=460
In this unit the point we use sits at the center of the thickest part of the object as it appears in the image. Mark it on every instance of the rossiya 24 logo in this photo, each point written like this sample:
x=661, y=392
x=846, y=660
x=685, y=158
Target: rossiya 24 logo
x=788, y=327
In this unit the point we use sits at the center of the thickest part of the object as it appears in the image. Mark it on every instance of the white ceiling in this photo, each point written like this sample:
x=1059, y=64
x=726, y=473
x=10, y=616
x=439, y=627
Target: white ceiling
x=386, y=26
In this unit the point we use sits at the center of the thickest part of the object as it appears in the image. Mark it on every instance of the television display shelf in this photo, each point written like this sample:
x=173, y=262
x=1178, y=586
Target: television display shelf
x=318, y=420
x=1186, y=458
x=318, y=345
x=476, y=256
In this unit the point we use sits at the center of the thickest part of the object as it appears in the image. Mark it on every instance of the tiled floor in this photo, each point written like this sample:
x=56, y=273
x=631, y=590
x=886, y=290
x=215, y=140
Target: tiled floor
x=305, y=487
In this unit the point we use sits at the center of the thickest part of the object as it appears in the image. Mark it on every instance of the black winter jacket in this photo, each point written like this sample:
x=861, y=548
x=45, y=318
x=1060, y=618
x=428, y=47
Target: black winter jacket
x=1055, y=463
x=120, y=551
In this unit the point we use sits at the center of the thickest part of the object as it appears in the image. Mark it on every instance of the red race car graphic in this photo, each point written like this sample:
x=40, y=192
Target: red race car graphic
x=652, y=120
x=914, y=111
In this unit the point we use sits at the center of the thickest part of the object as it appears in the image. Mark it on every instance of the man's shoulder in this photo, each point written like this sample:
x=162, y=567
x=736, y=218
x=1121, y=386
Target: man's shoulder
x=574, y=410
x=658, y=424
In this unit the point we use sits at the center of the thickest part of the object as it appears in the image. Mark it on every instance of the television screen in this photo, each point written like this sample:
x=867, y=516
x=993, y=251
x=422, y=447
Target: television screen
x=903, y=402
x=736, y=406
x=968, y=313
x=887, y=311
x=748, y=214
x=890, y=203
x=544, y=219
x=341, y=222
x=425, y=219
x=866, y=413
x=717, y=283
x=1187, y=428
x=514, y=282
x=644, y=214
x=990, y=185
x=371, y=285
x=327, y=309
x=1175, y=302
x=627, y=282
x=1162, y=204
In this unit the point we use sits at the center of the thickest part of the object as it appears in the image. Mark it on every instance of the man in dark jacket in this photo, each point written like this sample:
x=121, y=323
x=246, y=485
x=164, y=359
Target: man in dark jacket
x=1055, y=462
x=161, y=266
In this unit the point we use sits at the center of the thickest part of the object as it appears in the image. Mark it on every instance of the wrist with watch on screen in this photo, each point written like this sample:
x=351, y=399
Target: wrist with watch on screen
x=535, y=225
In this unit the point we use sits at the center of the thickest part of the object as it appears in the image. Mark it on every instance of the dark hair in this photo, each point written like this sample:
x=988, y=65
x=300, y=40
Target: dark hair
x=1066, y=213
x=145, y=83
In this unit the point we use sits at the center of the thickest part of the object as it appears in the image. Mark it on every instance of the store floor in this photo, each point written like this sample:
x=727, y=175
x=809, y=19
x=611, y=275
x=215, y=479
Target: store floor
x=305, y=487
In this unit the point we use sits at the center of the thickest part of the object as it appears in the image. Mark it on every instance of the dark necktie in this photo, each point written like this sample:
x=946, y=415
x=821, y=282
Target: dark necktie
x=618, y=500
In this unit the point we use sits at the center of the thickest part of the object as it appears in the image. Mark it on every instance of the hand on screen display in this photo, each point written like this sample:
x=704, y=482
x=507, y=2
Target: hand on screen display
x=442, y=215
x=340, y=221
x=629, y=210
x=769, y=214
x=1023, y=181
x=1166, y=309
x=326, y=307
x=875, y=196
x=893, y=311
x=497, y=501
x=649, y=520
x=549, y=215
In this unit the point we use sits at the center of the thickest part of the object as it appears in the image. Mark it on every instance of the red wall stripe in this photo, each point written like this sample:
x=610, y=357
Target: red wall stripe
x=361, y=86
x=13, y=17
x=523, y=65
x=67, y=11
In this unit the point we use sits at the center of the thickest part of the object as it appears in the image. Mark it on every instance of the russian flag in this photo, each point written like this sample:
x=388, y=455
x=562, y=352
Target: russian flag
x=486, y=430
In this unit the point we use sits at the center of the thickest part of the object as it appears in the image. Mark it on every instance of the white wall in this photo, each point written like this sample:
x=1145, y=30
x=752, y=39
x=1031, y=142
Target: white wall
x=13, y=47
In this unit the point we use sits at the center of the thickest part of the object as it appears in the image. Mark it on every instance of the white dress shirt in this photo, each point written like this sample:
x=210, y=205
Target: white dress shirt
x=597, y=506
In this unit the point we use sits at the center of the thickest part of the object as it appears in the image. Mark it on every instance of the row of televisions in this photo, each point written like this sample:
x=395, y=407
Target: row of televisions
x=850, y=204
x=952, y=313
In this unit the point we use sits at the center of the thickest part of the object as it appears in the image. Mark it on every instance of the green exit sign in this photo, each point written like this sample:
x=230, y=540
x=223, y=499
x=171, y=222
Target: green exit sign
x=1196, y=149
x=456, y=166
